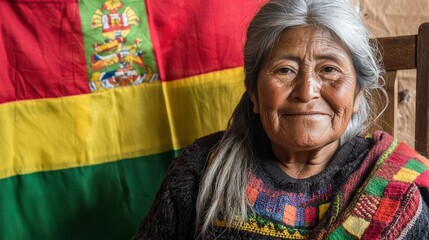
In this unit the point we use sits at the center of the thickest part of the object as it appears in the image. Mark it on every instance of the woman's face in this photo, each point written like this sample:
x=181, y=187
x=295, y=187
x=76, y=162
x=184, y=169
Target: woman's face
x=306, y=91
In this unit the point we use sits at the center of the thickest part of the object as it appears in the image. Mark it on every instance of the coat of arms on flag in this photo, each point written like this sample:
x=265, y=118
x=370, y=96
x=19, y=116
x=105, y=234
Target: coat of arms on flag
x=118, y=51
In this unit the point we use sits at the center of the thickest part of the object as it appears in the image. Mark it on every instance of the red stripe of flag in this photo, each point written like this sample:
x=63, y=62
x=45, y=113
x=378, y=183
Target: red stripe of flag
x=42, y=54
x=194, y=36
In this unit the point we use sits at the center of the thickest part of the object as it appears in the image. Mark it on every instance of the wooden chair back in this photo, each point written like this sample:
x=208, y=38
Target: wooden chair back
x=408, y=52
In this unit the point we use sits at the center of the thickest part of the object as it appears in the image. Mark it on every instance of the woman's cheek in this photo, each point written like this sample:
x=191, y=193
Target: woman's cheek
x=341, y=98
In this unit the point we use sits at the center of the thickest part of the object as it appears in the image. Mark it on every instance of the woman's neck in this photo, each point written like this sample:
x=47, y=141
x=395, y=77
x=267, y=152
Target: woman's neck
x=307, y=163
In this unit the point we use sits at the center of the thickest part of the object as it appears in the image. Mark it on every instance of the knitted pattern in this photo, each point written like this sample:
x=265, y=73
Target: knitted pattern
x=283, y=214
x=388, y=199
x=287, y=208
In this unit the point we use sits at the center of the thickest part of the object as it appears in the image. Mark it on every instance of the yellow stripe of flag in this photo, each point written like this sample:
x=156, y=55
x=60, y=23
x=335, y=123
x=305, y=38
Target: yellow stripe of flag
x=82, y=130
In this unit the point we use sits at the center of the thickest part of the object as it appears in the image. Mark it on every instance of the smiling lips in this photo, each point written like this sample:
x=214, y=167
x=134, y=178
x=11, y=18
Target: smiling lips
x=307, y=114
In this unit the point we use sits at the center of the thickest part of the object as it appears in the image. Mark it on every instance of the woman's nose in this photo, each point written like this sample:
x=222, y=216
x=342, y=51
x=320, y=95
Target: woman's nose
x=306, y=88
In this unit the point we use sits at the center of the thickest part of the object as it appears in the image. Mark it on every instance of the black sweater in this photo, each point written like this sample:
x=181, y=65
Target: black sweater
x=172, y=215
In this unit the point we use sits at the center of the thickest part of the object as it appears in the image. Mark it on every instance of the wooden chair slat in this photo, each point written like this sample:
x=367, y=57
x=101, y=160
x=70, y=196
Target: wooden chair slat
x=401, y=53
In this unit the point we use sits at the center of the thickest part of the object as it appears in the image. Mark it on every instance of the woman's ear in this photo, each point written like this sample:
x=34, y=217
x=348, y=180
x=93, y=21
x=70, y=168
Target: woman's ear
x=254, y=99
x=356, y=103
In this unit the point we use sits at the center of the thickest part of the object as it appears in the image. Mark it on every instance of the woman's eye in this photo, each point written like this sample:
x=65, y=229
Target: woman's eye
x=330, y=73
x=284, y=70
x=329, y=70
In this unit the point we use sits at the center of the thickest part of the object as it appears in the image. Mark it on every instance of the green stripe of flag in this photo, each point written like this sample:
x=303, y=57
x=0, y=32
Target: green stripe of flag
x=105, y=201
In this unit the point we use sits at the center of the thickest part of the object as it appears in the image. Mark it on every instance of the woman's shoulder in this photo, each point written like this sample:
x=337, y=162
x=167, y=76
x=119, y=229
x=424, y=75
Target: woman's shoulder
x=173, y=210
x=202, y=145
x=192, y=159
x=392, y=181
x=411, y=167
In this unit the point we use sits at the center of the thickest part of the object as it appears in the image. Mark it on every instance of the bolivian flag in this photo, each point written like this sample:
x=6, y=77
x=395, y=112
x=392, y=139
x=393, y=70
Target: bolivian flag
x=96, y=99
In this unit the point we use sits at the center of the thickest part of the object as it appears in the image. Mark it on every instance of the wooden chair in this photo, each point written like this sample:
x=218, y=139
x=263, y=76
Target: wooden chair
x=408, y=52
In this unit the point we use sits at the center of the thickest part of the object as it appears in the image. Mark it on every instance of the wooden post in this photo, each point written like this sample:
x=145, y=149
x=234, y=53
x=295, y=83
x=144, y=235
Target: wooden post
x=422, y=91
x=388, y=119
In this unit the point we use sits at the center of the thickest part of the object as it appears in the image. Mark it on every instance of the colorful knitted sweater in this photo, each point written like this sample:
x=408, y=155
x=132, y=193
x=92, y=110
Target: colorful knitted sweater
x=373, y=188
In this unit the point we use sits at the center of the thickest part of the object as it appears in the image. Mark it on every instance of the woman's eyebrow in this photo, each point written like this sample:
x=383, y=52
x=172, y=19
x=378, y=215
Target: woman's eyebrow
x=329, y=55
x=287, y=56
x=332, y=55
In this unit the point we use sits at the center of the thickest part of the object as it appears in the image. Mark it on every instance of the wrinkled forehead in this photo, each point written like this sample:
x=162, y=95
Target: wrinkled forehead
x=309, y=38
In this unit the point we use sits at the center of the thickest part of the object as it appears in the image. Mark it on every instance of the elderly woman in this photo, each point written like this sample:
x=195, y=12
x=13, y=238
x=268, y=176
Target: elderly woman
x=292, y=163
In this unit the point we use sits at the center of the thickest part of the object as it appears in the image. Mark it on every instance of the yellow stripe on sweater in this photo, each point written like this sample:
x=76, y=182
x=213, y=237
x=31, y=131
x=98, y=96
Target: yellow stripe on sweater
x=82, y=130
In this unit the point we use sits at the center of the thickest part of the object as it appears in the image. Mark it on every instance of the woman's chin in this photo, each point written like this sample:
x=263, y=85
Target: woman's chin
x=309, y=141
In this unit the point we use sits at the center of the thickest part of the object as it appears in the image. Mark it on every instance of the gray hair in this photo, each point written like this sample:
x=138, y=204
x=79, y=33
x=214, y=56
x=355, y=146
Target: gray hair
x=223, y=186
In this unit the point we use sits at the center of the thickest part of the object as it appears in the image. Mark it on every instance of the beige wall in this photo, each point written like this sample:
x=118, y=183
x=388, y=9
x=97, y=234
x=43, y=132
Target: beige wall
x=387, y=18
